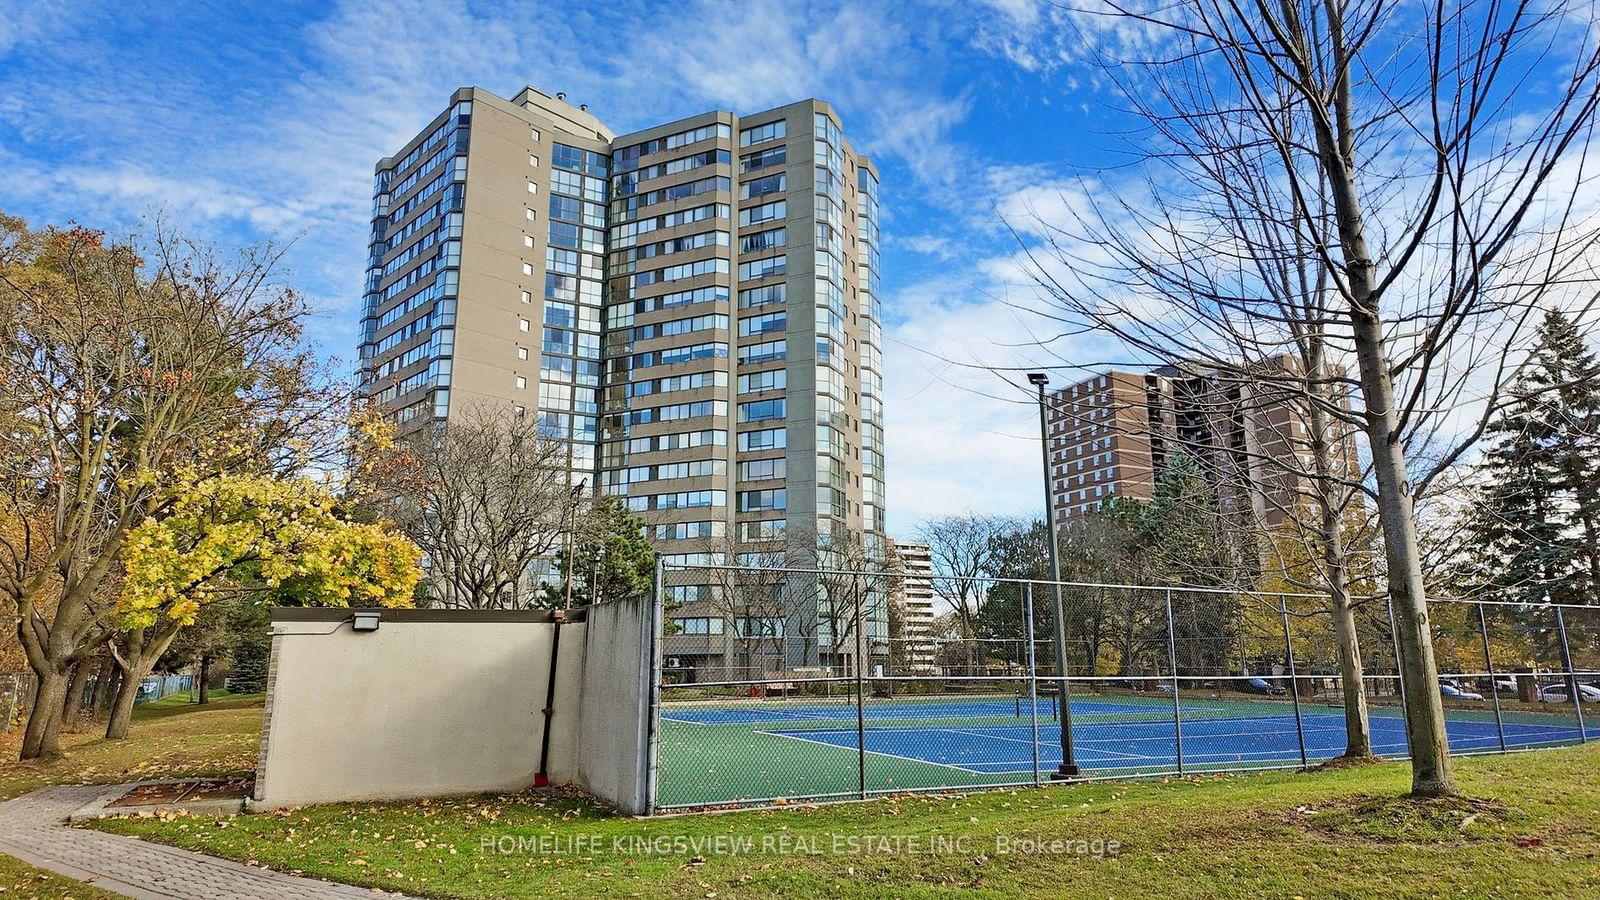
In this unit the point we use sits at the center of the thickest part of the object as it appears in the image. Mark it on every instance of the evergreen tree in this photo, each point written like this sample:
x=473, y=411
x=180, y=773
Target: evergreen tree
x=610, y=558
x=251, y=627
x=1537, y=523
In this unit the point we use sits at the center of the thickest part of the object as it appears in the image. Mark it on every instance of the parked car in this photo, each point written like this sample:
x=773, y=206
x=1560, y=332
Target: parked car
x=1260, y=686
x=1450, y=691
x=1557, y=693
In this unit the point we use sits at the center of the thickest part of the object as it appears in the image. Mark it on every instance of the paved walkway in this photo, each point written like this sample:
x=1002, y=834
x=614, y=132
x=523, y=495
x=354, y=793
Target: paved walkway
x=31, y=830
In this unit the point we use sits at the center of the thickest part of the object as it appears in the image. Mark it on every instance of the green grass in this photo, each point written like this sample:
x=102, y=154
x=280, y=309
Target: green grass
x=170, y=738
x=1532, y=828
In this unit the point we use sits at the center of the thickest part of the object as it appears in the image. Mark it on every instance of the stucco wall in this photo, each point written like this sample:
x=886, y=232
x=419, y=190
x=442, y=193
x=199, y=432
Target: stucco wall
x=615, y=728
x=433, y=703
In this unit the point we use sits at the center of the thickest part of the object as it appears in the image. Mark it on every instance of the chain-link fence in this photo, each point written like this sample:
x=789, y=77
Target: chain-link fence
x=787, y=684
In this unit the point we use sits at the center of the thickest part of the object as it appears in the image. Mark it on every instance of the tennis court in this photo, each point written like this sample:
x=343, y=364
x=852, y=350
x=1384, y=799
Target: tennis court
x=720, y=752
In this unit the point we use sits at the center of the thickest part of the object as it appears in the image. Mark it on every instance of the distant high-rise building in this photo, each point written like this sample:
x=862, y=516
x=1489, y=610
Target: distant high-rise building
x=1113, y=434
x=693, y=308
x=913, y=586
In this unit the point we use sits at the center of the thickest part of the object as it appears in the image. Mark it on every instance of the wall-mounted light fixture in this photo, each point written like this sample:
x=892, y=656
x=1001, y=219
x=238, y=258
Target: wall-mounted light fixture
x=365, y=620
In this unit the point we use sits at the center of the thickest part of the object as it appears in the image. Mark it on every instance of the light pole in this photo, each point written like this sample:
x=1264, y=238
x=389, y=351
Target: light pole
x=1069, y=762
x=572, y=525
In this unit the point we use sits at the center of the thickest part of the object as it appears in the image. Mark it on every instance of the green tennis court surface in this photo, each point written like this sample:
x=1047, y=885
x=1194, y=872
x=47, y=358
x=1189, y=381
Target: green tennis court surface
x=741, y=751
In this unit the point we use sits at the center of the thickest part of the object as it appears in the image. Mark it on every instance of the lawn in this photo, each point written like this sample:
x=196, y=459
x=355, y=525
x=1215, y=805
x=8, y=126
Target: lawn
x=170, y=737
x=1533, y=829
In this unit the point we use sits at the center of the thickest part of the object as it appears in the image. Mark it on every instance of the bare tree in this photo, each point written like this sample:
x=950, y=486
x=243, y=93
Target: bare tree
x=487, y=497
x=964, y=551
x=749, y=594
x=1385, y=163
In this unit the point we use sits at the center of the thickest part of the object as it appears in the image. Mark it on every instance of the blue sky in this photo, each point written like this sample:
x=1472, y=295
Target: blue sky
x=247, y=121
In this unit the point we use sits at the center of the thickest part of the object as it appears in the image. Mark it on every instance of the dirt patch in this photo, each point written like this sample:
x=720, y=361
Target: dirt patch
x=1346, y=762
x=1411, y=820
x=185, y=792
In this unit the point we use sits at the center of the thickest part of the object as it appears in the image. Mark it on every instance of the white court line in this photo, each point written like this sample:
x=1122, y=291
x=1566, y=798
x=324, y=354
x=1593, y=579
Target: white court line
x=997, y=737
x=874, y=752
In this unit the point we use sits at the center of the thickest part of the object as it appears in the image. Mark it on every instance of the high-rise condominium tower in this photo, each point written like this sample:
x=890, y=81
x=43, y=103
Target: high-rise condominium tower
x=693, y=308
x=1113, y=434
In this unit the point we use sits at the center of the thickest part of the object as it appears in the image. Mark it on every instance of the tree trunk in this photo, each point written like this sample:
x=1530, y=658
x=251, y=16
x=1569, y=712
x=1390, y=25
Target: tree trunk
x=1357, y=725
x=122, y=709
x=144, y=651
x=102, y=686
x=72, y=703
x=205, y=672
x=1431, y=774
x=106, y=694
x=42, y=739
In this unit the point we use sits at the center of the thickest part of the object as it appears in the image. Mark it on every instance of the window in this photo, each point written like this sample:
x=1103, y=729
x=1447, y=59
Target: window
x=759, y=187
x=759, y=627
x=770, y=323
x=754, y=501
x=772, y=156
x=763, y=296
x=764, y=268
x=533, y=188
x=558, y=340
x=699, y=626
x=628, y=157
x=522, y=383
x=531, y=214
x=524, y=324
x=775, y=380
x=760, y=134
x=762, y=469
x=761, y=240
x=770, y=351
x=762, y=410
x=767, y=439
x=765, y=530
x=567, y=208
x=522, y=353
x=579, y=160
x=560, y=314
x=766, y=212
x=533, y=160
x=527, y=240
x=527, y=297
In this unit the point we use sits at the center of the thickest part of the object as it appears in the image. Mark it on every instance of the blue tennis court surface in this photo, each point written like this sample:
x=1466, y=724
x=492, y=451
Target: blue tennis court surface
x=1151, y=745
x=767, y=713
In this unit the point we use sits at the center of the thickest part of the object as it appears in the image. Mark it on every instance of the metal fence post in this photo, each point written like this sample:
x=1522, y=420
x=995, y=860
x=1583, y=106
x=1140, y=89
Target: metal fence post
x=1172, y=666
x=1294, y=684
x=1033, y=678
x=1572, y=674
x=861, y=697
x=1494, y=690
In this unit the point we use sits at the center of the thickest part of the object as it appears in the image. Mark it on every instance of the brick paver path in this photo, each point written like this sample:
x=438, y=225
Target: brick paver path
x=31, y=830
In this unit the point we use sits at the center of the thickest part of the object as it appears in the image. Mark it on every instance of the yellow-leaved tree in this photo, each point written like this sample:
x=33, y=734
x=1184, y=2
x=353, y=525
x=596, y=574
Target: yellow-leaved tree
x=272, y=540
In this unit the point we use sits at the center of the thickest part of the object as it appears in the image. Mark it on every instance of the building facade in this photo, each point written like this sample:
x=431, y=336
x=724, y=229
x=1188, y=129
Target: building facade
x=693, y=308
x=1113, y=434
x=915, y=650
